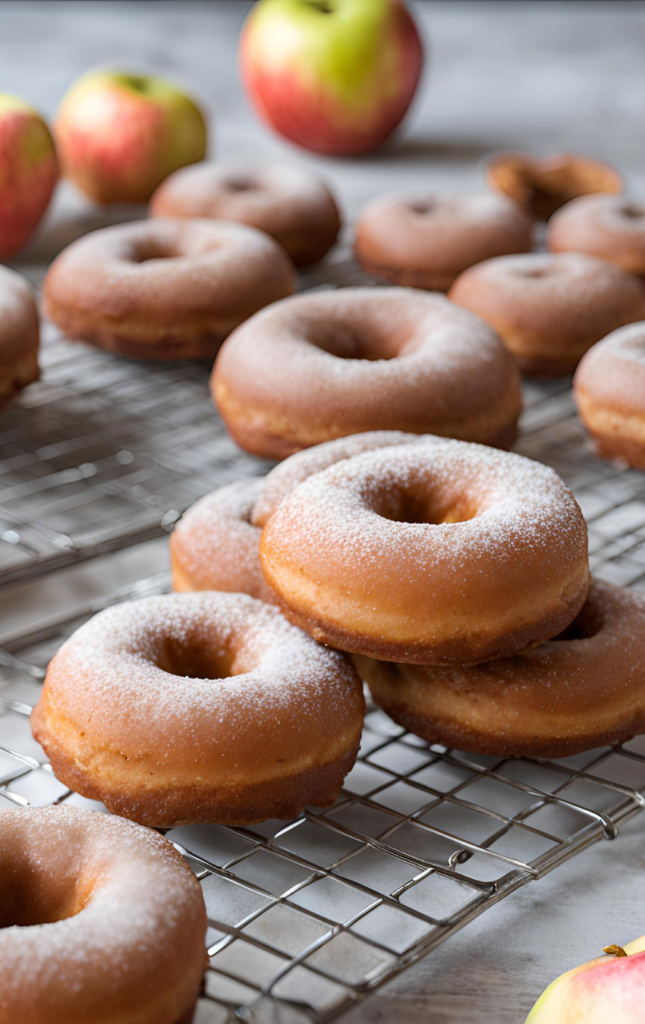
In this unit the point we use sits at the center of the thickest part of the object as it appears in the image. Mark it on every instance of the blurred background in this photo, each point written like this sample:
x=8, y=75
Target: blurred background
x=543, y=75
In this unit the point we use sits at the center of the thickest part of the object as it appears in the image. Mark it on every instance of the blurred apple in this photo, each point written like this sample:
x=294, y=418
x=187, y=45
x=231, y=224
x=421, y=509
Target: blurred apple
x=120, y=135
x=28, y=172
x=335, y=76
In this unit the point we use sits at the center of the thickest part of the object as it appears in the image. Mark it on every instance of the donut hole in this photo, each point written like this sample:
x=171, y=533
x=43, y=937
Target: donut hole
x=240, y=185
x=358, y=341
x=153, y=250
x=422, y=207
x=197, y=657
x=534, y=272
x=30, y=896
x=632, y=212
x=416, y=507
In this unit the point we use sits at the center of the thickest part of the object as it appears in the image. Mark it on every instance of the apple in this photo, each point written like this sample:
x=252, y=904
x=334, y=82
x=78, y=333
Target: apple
x=119, y=135
x=334, y=76
x=28, y=172
x=609, y=988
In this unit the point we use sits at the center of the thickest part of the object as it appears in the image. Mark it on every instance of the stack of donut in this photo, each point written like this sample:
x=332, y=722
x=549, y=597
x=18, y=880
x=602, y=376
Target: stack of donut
x=457, y=578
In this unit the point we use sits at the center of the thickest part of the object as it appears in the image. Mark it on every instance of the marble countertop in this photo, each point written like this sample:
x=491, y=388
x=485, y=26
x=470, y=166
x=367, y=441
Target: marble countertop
x=547, y=76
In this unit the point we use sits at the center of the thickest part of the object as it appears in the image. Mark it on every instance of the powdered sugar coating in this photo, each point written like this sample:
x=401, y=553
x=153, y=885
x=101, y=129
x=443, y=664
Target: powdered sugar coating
x=329, y=364
x=612, y=373
x=422, y=553
x=264, y=675
x=123, y=948
x=520, y=504
x=216, y=547
x=290, y=203
x=288, y=474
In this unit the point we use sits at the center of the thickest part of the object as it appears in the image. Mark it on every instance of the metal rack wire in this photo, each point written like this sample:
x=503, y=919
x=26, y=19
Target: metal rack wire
x=306, y=916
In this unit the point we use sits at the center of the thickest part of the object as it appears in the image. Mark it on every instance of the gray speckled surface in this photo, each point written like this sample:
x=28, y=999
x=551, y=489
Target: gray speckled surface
x=544, y=75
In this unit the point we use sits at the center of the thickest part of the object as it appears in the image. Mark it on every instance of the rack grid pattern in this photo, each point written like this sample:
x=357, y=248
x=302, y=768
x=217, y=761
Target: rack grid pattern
x=306, y=916
x=112, y=451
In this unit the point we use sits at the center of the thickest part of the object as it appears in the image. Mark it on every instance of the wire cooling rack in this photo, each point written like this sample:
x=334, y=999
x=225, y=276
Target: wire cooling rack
x=103, y=452
x=305, y=916
x=308, y=916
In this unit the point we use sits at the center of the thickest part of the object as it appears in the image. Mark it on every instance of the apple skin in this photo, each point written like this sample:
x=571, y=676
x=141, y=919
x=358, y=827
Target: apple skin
x=333, y=76
x=28, y=172
x=608, y=990
x=120, y=135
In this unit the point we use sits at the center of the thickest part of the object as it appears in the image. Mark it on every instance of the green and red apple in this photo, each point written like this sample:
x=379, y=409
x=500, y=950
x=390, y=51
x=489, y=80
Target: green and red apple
x=334, y=76
x=608, y=990
x=28, y=172
x=119, y=135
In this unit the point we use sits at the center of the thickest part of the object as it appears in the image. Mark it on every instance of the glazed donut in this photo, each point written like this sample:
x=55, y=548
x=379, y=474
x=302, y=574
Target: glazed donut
x=286, y=476
x=341, y=362
x=204, y=707
x=19, y=334
x=549, y=309
x=611, y=227
x=289, y=203
x=162, y=288
x=581, y=690
x=421, y=553
x=543, y=186
x=101, y=920
x=609, y=389
x=215, y=546
x=427, y=241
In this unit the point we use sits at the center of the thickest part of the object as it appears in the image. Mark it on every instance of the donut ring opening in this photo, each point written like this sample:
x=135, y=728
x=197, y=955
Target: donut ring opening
x=199, y=707
x=420, y=553
x=323, y=366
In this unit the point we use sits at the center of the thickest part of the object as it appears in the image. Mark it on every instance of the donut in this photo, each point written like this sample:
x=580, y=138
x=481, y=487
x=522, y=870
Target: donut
x=101, y=920
x=289, y=203
x=286, y=476
x=549, y=309
x=544, y=185
x=426, y=241
x=329, y=364
x=611, y=227
x=581, y=690
x=215, y=546
x=19, y=335
x=609, y=389
x=421, y=553
x=163, y=288
x=205, y=707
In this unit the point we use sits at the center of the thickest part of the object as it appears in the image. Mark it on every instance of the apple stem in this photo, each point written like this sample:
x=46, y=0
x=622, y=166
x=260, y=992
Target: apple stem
x=615, y=950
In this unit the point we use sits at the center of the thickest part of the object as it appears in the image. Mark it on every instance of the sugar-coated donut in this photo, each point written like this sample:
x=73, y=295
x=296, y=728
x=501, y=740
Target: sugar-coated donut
x=341, y=362
x=215, y=546
x=281, y=481
x=164, y=288
x=19, y=334
x=609, y=389
x=426, y=241
x=422, y=553
x=544, y=185
x=549, y=309
x=206, y=707
x=581, y=690
x=291, y=204
x=100, y=920
x=611, y=227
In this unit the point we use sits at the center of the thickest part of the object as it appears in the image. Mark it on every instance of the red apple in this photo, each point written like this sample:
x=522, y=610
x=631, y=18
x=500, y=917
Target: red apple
x=335, y=76
x=28, y=172
x=120, y=135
